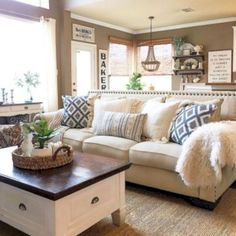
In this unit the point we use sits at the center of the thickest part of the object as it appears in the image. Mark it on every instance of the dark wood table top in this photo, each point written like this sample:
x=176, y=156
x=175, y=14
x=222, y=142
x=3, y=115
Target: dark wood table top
x=86, y=169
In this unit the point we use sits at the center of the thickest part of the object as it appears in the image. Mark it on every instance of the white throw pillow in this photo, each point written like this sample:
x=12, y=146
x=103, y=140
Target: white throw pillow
x=117, y=105
x=158, y=119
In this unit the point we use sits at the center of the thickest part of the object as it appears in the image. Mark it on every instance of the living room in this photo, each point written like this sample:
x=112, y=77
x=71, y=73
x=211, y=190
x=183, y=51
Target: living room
x=135, y=101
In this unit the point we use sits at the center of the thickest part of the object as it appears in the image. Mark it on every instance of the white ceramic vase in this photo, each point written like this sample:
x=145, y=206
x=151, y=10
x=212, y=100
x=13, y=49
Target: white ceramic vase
x=27, y=146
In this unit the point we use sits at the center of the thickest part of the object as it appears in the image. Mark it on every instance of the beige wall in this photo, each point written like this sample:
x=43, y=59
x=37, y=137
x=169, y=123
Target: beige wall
x=101, y=40
x=213, y=37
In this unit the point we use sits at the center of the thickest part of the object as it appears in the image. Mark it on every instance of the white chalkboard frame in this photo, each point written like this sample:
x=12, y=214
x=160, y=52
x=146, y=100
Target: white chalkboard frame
x=228, y=79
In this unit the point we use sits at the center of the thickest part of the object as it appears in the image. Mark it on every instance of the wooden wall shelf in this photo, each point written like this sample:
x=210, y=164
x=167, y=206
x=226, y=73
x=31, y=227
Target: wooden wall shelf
x=188, y=56
x=189, y=72
x=220, y=84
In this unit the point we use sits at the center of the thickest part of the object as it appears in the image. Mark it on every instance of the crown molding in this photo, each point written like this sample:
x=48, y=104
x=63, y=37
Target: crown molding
x=102, y=23
x=157, y=29
x=188, y=25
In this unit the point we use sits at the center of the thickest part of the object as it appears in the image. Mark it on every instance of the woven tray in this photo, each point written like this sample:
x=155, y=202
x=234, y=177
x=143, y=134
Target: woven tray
x=62, y=156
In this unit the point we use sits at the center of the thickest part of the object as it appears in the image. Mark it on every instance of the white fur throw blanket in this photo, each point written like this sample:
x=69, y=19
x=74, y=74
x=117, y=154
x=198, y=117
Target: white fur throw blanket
x=208, y=149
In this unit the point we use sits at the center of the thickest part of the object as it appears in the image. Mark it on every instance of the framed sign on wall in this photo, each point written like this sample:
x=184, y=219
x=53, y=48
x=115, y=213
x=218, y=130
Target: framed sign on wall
x=103, y=64
x=83, y=33
x=220, y=66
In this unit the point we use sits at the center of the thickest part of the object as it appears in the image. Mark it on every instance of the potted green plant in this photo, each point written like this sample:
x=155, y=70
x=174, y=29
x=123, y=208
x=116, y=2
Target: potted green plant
x=178, y=42
x=135, y=82
x=41, y=132
x=27, y=81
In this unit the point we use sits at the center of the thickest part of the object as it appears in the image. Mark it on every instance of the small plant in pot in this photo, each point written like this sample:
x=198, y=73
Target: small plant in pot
x=41, y=132
x=41, y=135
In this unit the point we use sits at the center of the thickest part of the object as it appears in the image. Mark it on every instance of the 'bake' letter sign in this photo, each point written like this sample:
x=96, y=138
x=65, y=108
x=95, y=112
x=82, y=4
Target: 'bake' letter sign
x=103, y=84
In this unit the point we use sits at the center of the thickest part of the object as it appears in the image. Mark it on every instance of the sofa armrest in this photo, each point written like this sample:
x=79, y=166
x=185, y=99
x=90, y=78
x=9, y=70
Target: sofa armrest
x=54, y=118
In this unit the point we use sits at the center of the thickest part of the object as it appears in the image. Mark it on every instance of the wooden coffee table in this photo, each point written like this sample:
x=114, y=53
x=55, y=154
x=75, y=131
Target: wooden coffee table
x=62, y=201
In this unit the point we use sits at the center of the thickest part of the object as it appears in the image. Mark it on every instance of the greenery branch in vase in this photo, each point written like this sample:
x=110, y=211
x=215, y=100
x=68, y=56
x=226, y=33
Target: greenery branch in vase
x=135, y=82
x=28, y=80
x=178, y=42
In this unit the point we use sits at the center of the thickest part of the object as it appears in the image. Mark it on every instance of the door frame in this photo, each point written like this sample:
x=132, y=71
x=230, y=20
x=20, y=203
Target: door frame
x=76, y=46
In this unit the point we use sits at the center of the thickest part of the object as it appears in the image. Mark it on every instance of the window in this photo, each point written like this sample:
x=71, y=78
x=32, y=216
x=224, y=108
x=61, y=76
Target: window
x=28, y=46
x=37, y=3
x=120, y=63
x=162, y=78
x=163, y=54
x=19, y=52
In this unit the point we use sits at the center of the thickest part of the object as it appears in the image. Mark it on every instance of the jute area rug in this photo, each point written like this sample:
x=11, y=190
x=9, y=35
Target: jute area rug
x=156, y=213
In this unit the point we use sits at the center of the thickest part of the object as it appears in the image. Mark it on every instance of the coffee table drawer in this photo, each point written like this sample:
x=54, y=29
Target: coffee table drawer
x=22, y=206
x=95, y=198
x=87, y=206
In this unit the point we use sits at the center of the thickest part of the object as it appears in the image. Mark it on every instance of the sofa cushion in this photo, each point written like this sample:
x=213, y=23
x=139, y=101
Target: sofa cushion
x=121, y=124
x=189, y=119
x=76, y=111
x=155, y=154
x=75, y=137
x=108, y=146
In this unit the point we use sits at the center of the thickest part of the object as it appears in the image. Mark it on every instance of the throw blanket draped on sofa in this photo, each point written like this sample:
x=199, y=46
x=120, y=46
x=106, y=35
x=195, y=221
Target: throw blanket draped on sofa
x=206, y=152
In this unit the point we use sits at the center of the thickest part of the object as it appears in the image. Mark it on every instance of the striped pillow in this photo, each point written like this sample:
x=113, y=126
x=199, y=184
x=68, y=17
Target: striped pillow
x=120, y=124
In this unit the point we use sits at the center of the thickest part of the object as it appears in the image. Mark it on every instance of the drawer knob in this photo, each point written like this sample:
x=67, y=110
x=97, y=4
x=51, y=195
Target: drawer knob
x=95, y=200
x=22, y=207
x=26, y=108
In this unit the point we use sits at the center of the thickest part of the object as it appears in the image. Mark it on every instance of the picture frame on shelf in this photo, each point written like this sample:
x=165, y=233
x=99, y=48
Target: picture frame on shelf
x=220, y=66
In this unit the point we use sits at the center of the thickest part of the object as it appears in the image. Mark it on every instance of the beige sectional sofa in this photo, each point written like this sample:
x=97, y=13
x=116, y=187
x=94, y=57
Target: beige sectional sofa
x=153, y=163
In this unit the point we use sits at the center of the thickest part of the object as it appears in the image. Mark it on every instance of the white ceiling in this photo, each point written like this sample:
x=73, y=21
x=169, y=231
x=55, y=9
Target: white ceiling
x=133, y=14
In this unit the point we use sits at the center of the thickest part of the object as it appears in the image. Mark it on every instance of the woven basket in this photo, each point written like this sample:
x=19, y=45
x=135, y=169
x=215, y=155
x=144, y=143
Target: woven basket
x=62, y=156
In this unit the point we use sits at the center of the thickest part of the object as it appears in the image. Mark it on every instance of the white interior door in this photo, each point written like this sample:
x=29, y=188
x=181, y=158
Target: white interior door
x=84, y=68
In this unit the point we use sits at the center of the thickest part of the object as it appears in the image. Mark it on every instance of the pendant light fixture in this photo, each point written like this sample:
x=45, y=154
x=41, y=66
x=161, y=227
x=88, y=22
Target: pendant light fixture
x=151, y=64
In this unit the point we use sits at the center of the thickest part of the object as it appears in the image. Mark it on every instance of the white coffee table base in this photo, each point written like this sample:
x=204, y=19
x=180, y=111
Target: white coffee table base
x=68, y=216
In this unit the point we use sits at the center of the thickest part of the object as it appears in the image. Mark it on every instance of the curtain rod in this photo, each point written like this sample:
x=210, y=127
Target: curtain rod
x=16, y=14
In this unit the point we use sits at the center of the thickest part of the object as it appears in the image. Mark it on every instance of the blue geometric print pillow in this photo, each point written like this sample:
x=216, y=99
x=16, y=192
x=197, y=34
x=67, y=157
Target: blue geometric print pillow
x=188, y=119
x=76, y=111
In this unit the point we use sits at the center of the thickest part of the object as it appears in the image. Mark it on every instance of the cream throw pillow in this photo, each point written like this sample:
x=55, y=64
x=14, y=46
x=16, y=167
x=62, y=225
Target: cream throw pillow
x=140, y=105
x=158, y=119
x=91, y=100
x=216, y=116
x=117, y=105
